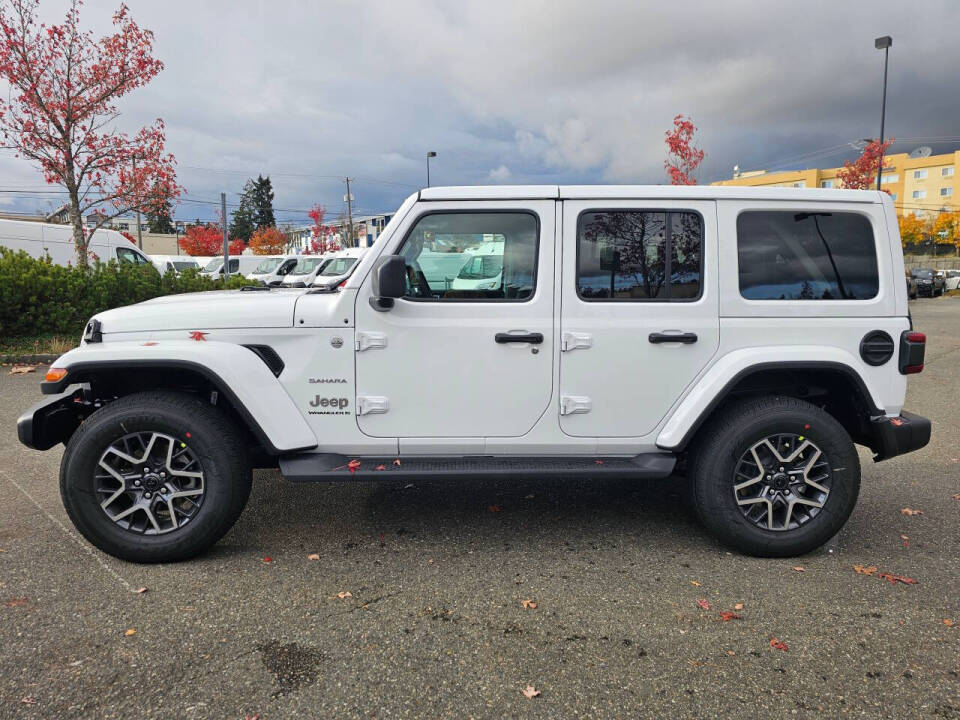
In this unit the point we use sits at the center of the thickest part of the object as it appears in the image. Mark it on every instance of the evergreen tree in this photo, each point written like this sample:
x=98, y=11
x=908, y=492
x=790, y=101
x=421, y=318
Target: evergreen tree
x=159, y=219
x=244, y=217
x=262, y=199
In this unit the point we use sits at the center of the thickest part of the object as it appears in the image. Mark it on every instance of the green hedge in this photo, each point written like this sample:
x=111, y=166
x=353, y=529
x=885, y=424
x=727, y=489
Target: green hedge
x=38, y=297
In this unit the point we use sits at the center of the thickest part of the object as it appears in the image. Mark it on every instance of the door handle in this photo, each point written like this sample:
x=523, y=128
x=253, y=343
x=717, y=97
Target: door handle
x=503, y=338
x=687, y=338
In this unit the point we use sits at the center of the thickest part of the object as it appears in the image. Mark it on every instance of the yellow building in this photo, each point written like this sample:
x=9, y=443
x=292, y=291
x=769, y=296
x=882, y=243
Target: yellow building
x=919, y=186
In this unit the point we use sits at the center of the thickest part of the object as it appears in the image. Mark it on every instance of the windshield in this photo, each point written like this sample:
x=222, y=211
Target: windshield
x=337, y=266
x=925, y=274
x=268, y=265
x=482, y=267
x=184, y=265
x=305, y=266
x=213, y=265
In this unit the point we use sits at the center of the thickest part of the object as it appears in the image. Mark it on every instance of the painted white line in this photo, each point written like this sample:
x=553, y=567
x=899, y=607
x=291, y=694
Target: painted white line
x=73, y=536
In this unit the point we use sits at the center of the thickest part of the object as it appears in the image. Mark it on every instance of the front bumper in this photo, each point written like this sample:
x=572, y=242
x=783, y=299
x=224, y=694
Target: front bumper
x=52, y=421
x=899, y=435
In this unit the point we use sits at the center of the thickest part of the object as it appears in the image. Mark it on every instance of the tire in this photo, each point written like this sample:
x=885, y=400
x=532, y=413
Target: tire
x=723, y=449
x=197, y=434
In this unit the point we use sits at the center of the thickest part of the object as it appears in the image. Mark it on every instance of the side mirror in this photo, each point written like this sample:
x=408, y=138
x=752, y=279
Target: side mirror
x=389, y=281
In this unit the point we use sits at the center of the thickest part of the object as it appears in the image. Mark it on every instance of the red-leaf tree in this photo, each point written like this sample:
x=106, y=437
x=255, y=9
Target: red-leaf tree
x=861, y=174
x=268, y=240
x=683, y=155
x=61, y=112
x=321, y=236
x=207, y=240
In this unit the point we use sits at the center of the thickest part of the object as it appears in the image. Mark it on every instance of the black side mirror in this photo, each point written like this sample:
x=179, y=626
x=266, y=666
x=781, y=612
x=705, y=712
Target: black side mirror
x=389, y=281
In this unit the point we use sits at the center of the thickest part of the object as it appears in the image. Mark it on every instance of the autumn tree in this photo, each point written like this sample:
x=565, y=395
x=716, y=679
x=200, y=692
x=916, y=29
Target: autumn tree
x=322, y=238
x=683, y=155
x=207, y=240
x=268, y=241
x=947, y=229
x=861, y=174
x=60, y=112
x=913, y=230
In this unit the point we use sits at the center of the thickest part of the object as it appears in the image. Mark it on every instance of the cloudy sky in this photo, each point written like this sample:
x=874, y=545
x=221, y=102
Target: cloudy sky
x=516, y=91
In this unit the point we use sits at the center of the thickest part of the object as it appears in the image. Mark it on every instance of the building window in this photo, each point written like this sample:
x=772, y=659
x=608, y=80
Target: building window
x=800, y=184
x=919, y=194
x=946, y=192
x=919, y=174
x=639, y=255
x=806, y=256
x=946, y=172
x=889, y=179
x=826, y=184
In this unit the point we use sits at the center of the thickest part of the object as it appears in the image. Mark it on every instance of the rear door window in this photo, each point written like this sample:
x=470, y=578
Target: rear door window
x=786, y=255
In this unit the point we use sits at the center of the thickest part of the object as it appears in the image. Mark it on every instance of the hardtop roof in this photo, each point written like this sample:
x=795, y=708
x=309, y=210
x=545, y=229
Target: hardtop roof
x=644, y=192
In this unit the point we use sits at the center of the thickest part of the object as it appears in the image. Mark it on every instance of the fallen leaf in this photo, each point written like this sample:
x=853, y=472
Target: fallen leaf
x=911, y=511
x=313, y=556
x=141, y=590
x=529, y=604
x=530, y=692
x=948, y=622
x=727, y=615
x=494, y=508
x=397, y=462
x=738, y=606
x=956, y=496
x=731, y=653
x=704, y=605
x=799, y=569
x=268, y=559
x=894, y=579
x=904, y=537
x=22, y=369
x=862, y=570
x=353, y=465
x=778, y=645
x=16, y=602
x=381, y=467
x=28, y=700
x=344, y=594
x=131, y=631
x=695, y=583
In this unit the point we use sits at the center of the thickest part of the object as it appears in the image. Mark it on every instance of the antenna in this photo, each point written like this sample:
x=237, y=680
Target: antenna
x=921, y=152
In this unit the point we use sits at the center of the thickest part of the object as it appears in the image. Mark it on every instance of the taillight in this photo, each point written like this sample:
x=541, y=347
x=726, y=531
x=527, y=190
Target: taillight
x=913, y=347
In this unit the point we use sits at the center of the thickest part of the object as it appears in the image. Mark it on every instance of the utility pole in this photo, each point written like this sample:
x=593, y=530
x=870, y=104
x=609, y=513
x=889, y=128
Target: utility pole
x=226, y=241
x=349, y=212
x=139, y=233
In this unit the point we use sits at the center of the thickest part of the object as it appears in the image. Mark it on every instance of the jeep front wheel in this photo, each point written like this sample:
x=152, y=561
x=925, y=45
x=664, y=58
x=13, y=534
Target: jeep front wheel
x=155, y=477
x=774, y=476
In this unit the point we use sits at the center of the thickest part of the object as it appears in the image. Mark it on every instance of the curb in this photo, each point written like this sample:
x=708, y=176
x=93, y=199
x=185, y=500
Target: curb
x=41, y=359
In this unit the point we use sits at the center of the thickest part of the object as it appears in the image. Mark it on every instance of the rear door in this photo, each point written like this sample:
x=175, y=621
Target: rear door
x=639, y=318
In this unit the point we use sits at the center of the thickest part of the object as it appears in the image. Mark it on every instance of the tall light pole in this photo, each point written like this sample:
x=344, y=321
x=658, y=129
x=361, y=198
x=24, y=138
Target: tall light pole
x=430, y=154
x=883, y=43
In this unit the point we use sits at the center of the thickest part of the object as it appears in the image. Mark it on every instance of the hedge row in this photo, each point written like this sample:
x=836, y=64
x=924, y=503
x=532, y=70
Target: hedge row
x=38, y=297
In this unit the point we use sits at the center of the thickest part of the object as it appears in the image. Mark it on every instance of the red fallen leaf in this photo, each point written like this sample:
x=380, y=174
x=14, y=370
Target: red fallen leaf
x=198, y=336
x=381, y=467
x=703, y=604
x=894, y=579
x=911, y=511
x=799, y=569
x=494, y=508
x=252, y=717
x=353, y=465
x=530, y=692
x=268, y=559
x=141, y=590
x=397, y=462
x=727, y=615
x=16, y=602
x=778, y=645
x=948, y=622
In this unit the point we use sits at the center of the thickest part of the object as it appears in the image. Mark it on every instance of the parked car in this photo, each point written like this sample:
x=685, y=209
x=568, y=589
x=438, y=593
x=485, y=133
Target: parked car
x=952, y=280
x=273, y=269
x=41, y=239
x=239, y=264
x=778, y=337
x=336, y=269
x=928, y=283
x=174, y=263
x=911, y=287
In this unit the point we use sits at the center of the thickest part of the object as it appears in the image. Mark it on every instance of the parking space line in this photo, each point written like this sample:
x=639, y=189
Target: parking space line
x=69, y=533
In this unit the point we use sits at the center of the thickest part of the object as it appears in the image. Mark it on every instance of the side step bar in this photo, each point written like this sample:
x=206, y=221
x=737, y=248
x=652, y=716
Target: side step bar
x=319, y=467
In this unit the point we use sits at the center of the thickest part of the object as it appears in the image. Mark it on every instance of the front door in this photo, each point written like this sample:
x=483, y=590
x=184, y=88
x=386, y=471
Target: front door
x=639, y=317
x=467, y=353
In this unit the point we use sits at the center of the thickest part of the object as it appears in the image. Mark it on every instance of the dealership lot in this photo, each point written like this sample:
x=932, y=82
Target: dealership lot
x=416, y=605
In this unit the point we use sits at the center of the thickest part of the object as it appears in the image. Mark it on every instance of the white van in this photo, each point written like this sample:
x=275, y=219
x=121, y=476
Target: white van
x=304, y=271
x=239, y=264
x=337, y=268
x=174, y=263
x=273, y=268
x=483, y=269
x=41, y=239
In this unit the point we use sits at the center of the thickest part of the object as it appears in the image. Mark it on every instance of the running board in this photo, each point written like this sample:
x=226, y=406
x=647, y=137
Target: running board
x=319, y=467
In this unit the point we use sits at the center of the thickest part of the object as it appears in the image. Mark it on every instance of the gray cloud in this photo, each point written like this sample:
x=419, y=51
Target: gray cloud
x=530, y=91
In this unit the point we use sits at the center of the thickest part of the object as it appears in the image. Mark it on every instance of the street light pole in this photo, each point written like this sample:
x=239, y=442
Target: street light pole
x=430, y=154
x=883, y=43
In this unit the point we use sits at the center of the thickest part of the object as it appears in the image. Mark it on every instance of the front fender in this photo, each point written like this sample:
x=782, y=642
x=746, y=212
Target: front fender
x=710, y=390
x=236, y=371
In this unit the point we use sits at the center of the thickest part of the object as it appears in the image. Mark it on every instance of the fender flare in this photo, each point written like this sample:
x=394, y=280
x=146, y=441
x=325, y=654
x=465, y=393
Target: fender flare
x=236, y=372
x=695, y=408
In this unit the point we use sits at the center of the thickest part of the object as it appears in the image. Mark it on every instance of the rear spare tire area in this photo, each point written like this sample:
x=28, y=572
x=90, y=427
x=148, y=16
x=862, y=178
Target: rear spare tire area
x=155, y=476
x=774, y=476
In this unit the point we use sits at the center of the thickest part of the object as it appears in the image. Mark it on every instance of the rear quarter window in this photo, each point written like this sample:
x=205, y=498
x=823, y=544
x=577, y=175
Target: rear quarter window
x=786, y=255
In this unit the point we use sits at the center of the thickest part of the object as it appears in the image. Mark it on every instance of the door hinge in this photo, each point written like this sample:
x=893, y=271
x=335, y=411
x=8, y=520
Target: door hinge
x=372, y=405
x=572, y=340
x=365, y=340
x=575, y=404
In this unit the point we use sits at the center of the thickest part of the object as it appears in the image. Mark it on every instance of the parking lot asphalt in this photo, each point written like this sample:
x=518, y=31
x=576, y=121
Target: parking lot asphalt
x=415, y=607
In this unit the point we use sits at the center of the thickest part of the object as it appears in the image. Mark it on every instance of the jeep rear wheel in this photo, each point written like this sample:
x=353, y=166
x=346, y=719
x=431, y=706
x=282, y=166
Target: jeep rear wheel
x=774, y=476
x=155, y=477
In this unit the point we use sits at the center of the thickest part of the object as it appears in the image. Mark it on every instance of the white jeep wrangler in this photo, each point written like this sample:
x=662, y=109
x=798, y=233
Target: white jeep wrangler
x=745, y=337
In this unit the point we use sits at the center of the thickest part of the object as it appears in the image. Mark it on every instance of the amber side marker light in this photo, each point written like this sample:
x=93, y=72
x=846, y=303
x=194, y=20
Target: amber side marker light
x=55, y=374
